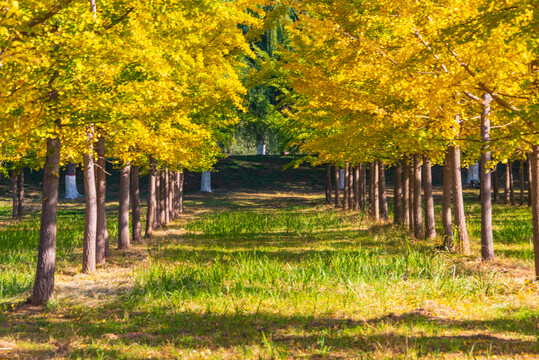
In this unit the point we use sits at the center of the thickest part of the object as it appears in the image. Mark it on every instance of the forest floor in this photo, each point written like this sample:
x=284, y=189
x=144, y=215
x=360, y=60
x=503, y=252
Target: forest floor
x=272, y=275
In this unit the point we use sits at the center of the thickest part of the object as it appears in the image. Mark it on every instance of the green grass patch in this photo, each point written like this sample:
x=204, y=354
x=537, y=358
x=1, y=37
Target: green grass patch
x=275, y=276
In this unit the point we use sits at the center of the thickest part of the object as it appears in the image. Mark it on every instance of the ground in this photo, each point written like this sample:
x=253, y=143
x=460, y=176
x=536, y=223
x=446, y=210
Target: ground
x=268, y=275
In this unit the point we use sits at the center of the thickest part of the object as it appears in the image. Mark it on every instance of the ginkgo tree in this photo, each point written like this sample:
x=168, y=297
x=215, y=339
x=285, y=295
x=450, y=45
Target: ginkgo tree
x=150, y=79
x=421, y=69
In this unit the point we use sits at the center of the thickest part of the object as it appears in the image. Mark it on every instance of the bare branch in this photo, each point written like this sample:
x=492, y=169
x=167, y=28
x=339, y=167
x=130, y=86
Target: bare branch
x=425, y=44
x=471, y=96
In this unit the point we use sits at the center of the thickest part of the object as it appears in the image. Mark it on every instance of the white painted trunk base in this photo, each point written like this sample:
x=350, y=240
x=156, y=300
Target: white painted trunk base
x=341, y=179
x=71, y=187
x=205, y=183
x=261, y=148
x=473, y=174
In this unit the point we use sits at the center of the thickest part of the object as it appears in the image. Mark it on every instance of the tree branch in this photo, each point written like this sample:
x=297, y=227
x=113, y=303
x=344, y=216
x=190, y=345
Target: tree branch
x=44, y=17
x=471, y=96
x=120, y=19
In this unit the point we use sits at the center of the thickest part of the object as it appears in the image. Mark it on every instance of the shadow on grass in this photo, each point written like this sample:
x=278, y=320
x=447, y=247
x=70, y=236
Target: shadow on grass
x=250, y=200
x=163, y=327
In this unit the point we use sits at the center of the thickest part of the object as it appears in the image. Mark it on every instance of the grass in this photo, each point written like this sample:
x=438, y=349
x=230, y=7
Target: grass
x=274, y=276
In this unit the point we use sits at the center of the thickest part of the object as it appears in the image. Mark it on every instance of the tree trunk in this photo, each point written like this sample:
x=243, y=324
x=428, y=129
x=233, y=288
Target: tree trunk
x=162, y=197
x=458, y=202
x=180, y=192
x=406, y=192
x=375, y=199
x=72, y=191
x=328, y=184
x=337, y=175
x=521, y=182
x=418, y=209
x=363, y=187
x=398, y=217
x=430, y=230
x=135, y=205
x=487, y=244
x=512, y=185
x=411, y=181
x=529, y=174
x=102, y=235
x=507, y=190
x=371, y=192
x=90, y=224
x=150, y=211
x=44, y=283
x=357, y=172
x=15, y=208
x=446, y=203
x=495, y=183
x=350, y=186
x=535, y=205
x=166, y=194
x=205, y=182
x=123, y=210
x=20, y=195
x=346, y=190
x=157, y=214
x=173, y=195
x=384, y=213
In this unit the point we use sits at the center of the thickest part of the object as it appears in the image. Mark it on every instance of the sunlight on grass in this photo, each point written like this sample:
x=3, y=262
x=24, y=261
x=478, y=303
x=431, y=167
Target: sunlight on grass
x=244, y=280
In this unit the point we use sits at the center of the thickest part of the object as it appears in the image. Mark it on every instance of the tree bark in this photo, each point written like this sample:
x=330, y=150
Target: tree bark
x=136, y=231
x=495, y=183
x=346, y=190
x=529, y=174
x=20, y=195
x=406, y=192
x=150, y=211
x=350, y=186
x=384, y=213
x=123, y=210
x=166, y=194
x=180, y=192
x=15, y=209
x=411, y=208
x=90, y=224
x=363, y=187
x=102, y=236
x=487, y=244
x=446, y=203
x=458, y=202
x=44, y=283
x=535, y=205
x=337, y=200
x=430, y=229
x=370, y=181
x=173, y=194
x=418, y=209
x=375, y=200
x=398, y=217
x=507, y=190
x=512, y=185
x=162, y=198
x=521, y=182
x=328, y=184
x=357, y=172
x=157, y=215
